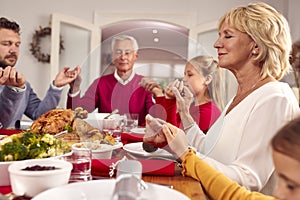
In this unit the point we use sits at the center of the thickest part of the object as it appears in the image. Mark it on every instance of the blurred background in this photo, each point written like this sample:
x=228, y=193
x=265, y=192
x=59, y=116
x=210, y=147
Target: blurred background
x=169, y=33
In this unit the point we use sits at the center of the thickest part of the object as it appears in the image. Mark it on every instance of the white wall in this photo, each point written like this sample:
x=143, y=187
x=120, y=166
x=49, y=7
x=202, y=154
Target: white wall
x=31, y=14
x=293, y=17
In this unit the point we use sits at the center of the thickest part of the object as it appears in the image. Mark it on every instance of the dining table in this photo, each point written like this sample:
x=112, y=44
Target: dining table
x=186, y=185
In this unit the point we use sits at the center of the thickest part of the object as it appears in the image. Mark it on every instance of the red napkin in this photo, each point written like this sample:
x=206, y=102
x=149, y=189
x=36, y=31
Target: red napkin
x=5, y=189
x=150, y=167
x=131, y=137
x=9, y=131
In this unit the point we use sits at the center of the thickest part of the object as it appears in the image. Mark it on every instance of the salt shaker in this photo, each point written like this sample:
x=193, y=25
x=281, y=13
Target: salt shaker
x=128, y=181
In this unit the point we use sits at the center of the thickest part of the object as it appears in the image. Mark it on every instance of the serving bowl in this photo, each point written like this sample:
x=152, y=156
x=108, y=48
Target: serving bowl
x=12, y=150
x=99, y=151
x=4, y=177
x=31, y=182
x=4, y=174
x=97, y=120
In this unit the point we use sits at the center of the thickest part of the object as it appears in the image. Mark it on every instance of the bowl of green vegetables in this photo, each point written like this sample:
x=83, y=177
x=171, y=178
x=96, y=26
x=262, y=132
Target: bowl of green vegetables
x=25, y=146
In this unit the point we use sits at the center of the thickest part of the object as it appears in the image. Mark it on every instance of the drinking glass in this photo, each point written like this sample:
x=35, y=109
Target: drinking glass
x=81, y=160
x=130, y=121
x=116, y=133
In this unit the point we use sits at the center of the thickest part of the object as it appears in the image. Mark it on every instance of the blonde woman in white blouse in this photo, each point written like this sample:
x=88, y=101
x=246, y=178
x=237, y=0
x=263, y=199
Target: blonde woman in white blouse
x=254, y=44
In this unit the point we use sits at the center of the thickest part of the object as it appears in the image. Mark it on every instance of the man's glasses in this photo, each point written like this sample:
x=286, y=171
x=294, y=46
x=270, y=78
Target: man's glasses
x=121, y=52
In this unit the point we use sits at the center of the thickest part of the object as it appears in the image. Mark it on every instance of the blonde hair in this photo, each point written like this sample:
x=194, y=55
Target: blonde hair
x=269, y=30
x=206, y=65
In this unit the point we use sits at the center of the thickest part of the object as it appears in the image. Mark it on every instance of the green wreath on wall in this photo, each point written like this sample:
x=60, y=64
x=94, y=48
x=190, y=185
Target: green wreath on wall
x=36, y=44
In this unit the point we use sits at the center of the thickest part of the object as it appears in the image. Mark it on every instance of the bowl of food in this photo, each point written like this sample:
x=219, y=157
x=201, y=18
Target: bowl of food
x=26, y=146
x=99, y=150
x=98, y=120
x=30, y=177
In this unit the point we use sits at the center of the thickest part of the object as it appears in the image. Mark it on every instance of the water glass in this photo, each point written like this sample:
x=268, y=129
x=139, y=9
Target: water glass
x=131, y=121
x=81, y=160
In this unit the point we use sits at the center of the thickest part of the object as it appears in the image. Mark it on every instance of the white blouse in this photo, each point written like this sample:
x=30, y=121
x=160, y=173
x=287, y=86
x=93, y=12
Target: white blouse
x=238, y=143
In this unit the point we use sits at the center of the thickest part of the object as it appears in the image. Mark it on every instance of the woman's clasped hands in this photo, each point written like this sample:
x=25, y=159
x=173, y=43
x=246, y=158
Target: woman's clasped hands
x=166, y=136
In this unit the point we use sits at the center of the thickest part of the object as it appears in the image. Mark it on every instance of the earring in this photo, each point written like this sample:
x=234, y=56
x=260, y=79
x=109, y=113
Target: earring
x=254, y=52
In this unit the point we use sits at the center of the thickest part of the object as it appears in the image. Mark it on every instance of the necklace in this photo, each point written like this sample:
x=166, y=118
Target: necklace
x=237, y=99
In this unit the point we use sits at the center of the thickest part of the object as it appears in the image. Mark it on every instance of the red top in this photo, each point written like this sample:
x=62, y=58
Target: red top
x=205, y=114
x=107, y=94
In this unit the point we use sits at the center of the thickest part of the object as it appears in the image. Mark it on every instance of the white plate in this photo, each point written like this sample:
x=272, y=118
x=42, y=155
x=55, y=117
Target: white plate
x=138, y=130
x=103, y=189
x=104, y=151
x=137, y=149
x=102, y=147
x=25, y=125
x=107, y=147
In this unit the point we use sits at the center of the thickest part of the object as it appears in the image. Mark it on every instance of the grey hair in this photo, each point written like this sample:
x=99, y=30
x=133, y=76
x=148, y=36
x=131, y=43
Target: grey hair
x=125, y=37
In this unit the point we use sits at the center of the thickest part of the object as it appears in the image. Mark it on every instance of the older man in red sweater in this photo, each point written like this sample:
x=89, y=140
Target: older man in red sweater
x=120, y=89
